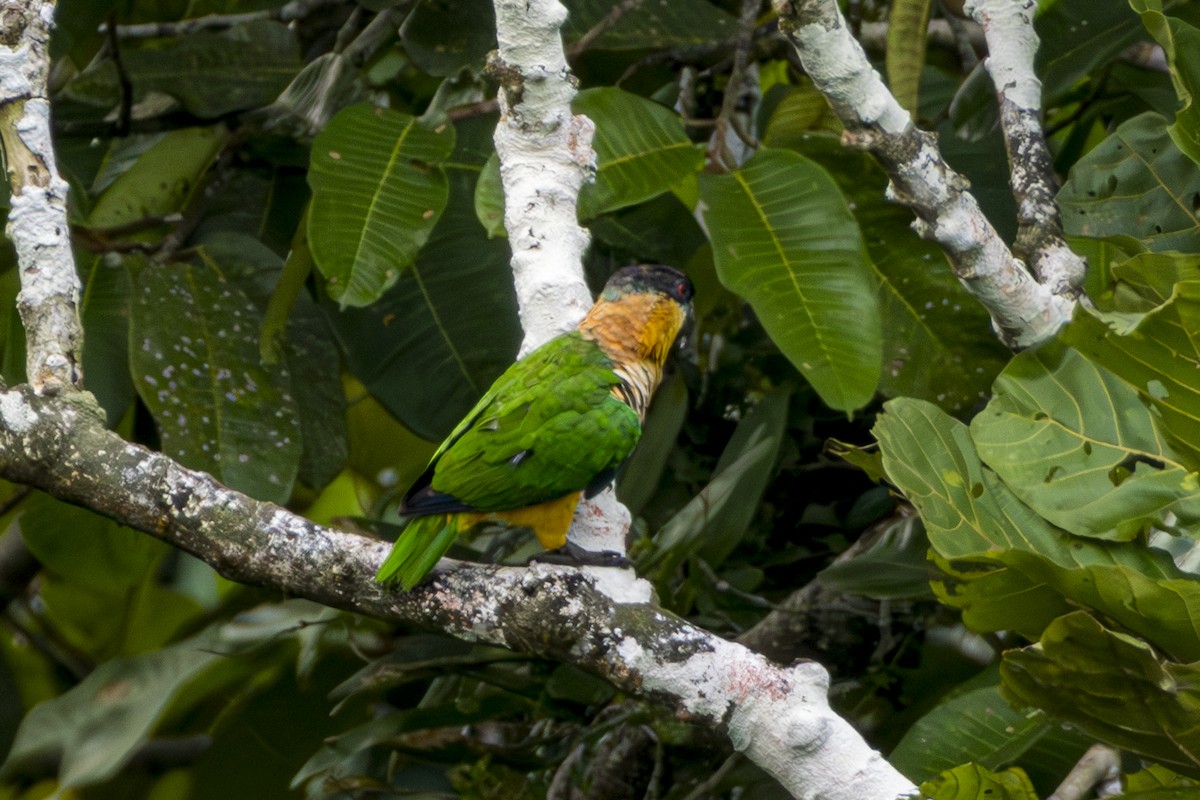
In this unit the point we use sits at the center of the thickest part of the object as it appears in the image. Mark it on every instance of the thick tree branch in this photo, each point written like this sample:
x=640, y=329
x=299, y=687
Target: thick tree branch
x=601, y=620
x=545, y=157
x=1024, y=311
x=1012, y=45
x=37, y=223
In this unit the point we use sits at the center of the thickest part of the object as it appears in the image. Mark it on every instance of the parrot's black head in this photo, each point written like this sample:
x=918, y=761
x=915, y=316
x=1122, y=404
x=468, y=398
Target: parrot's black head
x=649, y=279
x=641, y=312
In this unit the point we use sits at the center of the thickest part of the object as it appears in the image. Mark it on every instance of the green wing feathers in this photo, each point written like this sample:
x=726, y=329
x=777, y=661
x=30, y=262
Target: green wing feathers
x=421, y=544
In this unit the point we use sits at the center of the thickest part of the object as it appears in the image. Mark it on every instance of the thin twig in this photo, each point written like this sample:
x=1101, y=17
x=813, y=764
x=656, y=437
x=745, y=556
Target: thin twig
x=296, y=9
x=600, y=28
x=124, y=85
x=735, y=90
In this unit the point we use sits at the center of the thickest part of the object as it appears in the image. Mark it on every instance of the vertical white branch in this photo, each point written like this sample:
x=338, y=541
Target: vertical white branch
x=1024, y=311
x=37, y=223
x=1012, y=45
x=545, y=156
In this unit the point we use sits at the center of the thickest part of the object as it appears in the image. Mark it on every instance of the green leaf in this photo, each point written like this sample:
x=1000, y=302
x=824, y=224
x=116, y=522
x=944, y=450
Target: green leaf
x=489, y=198
x=1074, y=443
x=194, y=356
x=1136, y=182
x=434, y=343
x=971, y=782
x=1007, y=567
x=1112, y=686
x=641, y=148
x=892, y=566
x=209, y=73
x=99, y=724
x=378, y=190
x=650, y=25
x=928, y=316
x=86, y=548
x=785, y=240
x=1159, y=354
x=1181, y=43
x=1071, y=49
x=104, y=311
x=443, y=37
x=765, y=422
x=975, y=724
x=908, y=22
x=1146, y=280
x=161, y=180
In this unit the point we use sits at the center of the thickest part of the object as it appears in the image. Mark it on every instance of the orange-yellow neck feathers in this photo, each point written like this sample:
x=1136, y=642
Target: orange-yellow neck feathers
x=636, y=331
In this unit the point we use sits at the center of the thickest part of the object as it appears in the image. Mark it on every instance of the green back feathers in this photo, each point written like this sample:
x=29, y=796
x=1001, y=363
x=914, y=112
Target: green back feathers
x=548, y=426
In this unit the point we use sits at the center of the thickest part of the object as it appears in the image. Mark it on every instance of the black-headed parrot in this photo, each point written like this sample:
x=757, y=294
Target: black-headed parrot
x=555, y=426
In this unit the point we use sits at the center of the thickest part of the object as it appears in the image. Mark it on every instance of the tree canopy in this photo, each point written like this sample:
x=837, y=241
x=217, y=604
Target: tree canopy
x=937, y=457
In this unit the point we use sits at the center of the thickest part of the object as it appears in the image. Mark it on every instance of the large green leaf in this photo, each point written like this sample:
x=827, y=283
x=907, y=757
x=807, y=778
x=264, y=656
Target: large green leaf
x=641, y=150
x=1007, y=567
x=971, y=782
x=1159, y=353
x=1074, y=443
x=906, y=34
x=378, y=190
x=209, y=73
x=104, y=312
x=1181, y=43
x=435, y=341
x=194, y=356
x=1114, y=687
x=1135, y=183
x=976, y=724
x=928, y=317
x=784, y=239
x=97, y=726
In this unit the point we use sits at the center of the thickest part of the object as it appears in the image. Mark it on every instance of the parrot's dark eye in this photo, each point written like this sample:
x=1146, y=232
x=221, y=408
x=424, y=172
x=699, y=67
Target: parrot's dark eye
x=683, y=290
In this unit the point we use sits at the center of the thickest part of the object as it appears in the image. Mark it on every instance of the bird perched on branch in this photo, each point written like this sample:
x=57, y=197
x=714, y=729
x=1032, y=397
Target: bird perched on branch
x=556, y=426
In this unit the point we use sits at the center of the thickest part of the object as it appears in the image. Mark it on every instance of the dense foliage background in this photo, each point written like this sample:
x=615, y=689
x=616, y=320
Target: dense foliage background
x=288, y=224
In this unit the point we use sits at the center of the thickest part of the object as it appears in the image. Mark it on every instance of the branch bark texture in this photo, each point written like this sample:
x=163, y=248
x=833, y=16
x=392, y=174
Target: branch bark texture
x=1012, y=45
x=601, y=620
x=545, y=156
x=37, y=224
x=1024, y=311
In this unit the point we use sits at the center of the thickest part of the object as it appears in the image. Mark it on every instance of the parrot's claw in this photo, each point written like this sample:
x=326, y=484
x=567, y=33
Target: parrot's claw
x=575, y=556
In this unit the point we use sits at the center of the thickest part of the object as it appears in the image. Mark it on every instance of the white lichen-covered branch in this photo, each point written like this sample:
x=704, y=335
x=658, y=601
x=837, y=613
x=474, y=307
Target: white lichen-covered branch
x=37, y=224
x=1012, y=45
x=599, y=619
x=546, y=155
x=1024, y=310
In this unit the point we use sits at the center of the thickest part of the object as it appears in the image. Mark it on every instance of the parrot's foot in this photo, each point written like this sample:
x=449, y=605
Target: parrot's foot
x=575, y=556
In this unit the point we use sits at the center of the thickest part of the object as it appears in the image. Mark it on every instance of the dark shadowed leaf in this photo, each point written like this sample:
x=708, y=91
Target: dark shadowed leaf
x=445, y=36
x=104, y=310
x=650, y=25
x=194, y=356
x=210, y=73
